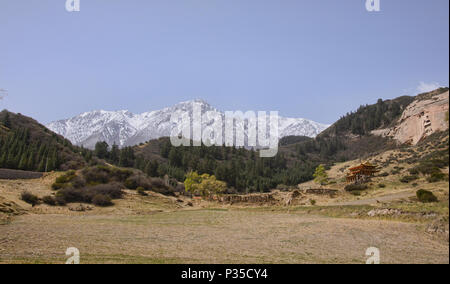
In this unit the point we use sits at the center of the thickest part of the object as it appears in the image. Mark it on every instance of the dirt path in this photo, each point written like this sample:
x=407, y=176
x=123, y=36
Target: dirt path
x=215, y=236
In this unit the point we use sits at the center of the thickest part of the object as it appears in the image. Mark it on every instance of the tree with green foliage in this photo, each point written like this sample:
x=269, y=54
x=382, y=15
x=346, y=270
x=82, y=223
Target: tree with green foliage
x=114, y=155
x=151, y=168
x=320, y=175
x=126, y=158
x=101, y=150
x=204, y=185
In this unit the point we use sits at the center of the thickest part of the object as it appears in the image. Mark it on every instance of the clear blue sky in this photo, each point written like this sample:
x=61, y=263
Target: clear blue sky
x=316, y=59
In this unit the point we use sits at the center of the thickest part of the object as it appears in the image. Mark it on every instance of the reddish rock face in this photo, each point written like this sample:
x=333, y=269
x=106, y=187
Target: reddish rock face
x=420, y=119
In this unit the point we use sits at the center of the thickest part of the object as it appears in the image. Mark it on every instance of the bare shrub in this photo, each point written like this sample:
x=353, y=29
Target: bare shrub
x=49, y=200
x=29, y=198
x=101, y=200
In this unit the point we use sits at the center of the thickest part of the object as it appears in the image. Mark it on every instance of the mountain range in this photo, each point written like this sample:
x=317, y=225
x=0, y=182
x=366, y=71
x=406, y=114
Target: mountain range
x=127, y=129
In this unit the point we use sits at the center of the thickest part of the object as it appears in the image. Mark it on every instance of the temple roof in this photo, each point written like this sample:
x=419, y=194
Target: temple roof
x=366, y=165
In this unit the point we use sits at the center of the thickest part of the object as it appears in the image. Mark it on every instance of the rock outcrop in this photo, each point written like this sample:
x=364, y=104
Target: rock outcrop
x=423, y=117
x=10, y=207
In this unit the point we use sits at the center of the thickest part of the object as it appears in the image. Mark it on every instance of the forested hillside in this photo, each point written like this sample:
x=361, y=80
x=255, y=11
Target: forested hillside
x=350, y=137
x=27, y=145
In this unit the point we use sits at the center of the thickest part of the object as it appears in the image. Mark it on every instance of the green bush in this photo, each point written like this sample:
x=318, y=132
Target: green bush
x=141, y=191
x=381, y=185
x=437, y=176
x=383, y=174
x=355, y=187
x=29, y=198
x=56, y=185
x=426, y=196
x=407, y=179
x=131, y=183
x=66, y=178
x=428, y=167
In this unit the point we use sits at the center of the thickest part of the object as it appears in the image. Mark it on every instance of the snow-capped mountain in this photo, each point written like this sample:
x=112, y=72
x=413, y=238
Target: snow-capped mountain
x=126, y=129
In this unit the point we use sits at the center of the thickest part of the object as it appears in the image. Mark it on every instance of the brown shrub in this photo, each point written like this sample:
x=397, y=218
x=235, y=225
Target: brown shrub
x=102, y=200
x=29, y=198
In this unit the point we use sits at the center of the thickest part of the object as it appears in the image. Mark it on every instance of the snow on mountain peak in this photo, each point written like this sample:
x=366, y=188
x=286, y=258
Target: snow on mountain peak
x=126, y=129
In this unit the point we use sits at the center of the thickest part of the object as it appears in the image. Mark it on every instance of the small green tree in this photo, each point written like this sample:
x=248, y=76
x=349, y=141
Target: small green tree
x=204, y=185
x=320, y=175
x=101, y=150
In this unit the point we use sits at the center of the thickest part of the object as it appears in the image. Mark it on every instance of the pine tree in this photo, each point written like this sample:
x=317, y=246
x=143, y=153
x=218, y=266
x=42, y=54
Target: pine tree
x=101, y=150
x=41, y=166
x=23, y=162
x=114, y=155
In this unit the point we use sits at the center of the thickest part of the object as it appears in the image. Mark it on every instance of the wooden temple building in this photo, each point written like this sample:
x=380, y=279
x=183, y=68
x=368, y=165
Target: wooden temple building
x=361, y=173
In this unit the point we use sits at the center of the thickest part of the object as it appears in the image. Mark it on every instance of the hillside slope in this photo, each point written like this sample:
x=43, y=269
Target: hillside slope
x=377, y=128
x=426, y=115
x=27, y=145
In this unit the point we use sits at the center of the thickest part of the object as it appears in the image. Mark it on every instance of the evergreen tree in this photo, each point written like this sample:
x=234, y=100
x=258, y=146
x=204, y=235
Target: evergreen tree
x=101, y=150
x=114, y=155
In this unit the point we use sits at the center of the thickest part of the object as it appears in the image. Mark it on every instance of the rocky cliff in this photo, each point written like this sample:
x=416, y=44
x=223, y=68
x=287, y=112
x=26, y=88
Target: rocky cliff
x=427, y=114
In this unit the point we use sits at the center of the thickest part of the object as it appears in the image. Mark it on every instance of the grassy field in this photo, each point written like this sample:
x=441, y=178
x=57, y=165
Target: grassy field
x=160, y=229
x=215, y=236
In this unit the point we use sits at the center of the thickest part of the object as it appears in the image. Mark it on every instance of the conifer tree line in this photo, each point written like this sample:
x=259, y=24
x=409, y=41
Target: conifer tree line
x=240, y=168
x=17, y=151
x=370, y=117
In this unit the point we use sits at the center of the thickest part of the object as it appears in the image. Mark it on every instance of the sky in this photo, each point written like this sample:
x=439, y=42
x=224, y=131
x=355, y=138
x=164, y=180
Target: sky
x=316, y=59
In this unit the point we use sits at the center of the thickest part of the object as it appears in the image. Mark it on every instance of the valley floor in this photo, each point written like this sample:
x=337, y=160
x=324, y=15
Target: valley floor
x=215, y=236
x=158, y=229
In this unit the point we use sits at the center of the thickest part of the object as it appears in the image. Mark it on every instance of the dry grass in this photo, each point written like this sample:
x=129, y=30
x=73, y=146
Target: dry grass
x=160, y=229
x=215, y=236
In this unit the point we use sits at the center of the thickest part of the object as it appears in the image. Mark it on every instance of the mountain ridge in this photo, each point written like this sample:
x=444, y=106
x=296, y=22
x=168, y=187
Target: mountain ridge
x=125, y=128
